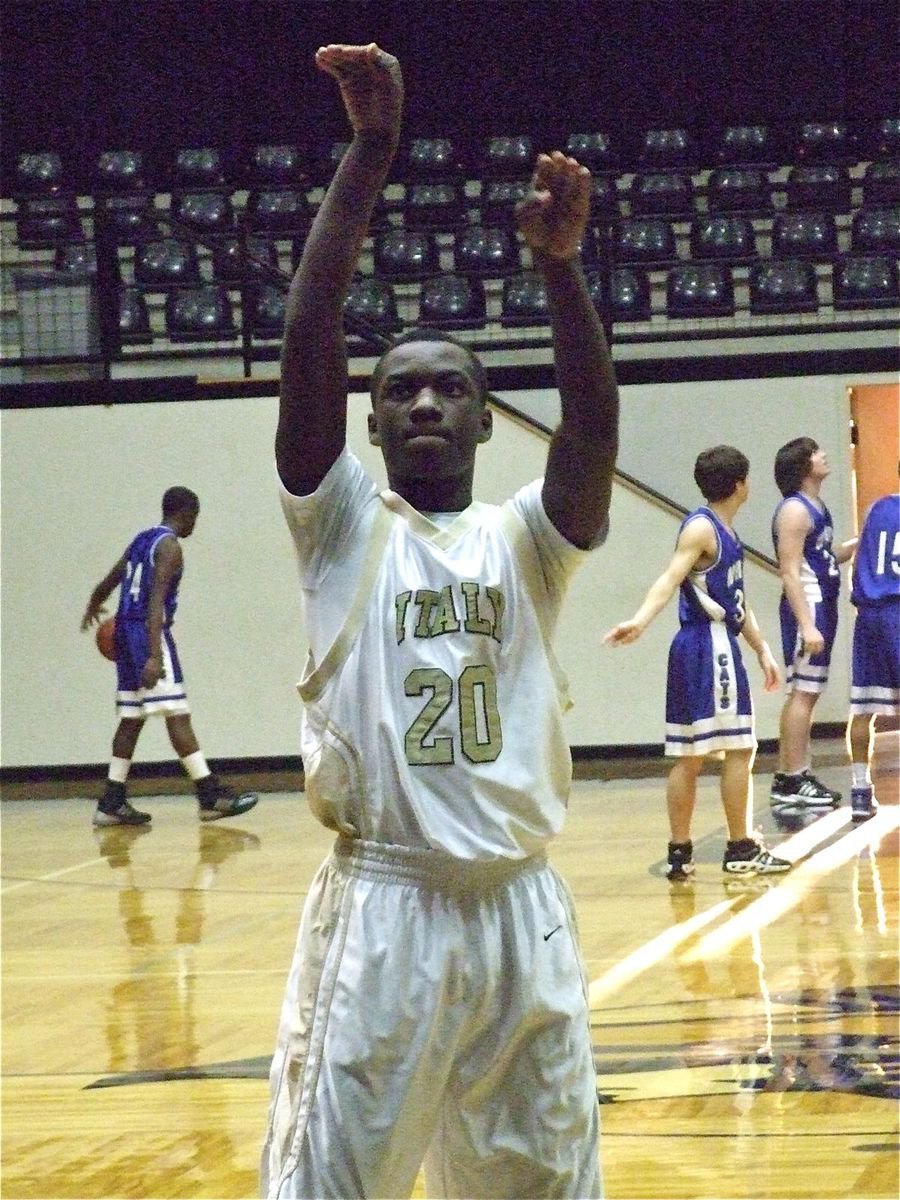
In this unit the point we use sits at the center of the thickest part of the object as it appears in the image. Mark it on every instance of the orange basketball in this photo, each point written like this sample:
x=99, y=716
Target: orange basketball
x=106, y=638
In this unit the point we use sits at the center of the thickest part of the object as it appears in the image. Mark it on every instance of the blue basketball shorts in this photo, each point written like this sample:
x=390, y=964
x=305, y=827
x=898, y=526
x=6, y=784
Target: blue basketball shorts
x=708, y=704
x=875, y=681
x=807, y=673
x=168, y=698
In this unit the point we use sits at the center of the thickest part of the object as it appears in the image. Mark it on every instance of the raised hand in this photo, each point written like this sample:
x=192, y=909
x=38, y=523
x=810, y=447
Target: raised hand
x=553, y=216
x=371, y=85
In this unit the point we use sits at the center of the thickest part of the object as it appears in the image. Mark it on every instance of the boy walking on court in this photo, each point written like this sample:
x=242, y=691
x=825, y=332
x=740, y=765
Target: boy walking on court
x=436, y=1008
x=803, y=533
x=708, y=705
x=875, y=681
x=149, y=678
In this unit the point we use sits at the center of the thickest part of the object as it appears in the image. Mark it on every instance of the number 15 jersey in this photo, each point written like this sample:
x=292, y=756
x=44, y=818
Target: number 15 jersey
x=433, y=703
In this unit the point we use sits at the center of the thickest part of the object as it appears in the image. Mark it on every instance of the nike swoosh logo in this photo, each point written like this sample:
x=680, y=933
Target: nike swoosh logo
x=548, y=936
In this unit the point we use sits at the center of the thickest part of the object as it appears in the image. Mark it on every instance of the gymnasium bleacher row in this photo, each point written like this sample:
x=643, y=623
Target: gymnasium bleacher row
x=744, y=236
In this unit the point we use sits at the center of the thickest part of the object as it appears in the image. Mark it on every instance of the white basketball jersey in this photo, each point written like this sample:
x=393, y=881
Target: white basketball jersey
x=434, y=716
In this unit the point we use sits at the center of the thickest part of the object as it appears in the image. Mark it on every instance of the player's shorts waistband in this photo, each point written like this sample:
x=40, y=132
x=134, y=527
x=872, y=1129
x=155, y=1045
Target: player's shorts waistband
x=428, y=868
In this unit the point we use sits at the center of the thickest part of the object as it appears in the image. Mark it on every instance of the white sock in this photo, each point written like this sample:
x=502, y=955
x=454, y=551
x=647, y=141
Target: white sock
x=860, y=775
x=195, y=765
x=118, y=770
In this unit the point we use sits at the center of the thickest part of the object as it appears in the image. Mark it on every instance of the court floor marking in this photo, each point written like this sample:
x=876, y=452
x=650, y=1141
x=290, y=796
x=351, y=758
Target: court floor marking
x=793, y=887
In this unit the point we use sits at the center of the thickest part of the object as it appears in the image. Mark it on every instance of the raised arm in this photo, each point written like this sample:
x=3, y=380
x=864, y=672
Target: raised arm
x=696, y=545
x=582, y=457
x=101, y=593
x=792, y=525
x=312, y=418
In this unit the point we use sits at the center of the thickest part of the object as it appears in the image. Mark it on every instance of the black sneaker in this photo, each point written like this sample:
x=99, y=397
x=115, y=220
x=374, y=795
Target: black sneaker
x=218, y=801
x=680, y=860
x=122, y=814
x=747, y=854
x=863, y=804
x=802, y=790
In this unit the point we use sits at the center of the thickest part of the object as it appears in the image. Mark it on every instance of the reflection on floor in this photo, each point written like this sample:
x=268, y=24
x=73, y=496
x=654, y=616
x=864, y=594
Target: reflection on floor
x=745, y=1029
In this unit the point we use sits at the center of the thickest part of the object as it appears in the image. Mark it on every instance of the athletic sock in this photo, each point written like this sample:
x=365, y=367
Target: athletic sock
x=196, y=766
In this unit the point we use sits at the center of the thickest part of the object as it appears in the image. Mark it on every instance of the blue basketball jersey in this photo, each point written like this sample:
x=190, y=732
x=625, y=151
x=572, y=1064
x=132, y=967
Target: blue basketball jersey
x=715, y=593
x=140, y=566
x=819, y=568
x=876, y=569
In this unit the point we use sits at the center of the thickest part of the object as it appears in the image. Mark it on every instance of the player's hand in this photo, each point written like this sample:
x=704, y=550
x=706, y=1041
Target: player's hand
x=769, y=668
x=371, y=85
x=813, y=643
x=153, y=671
x=92, y=616
x=623, y=634
x=553, y=216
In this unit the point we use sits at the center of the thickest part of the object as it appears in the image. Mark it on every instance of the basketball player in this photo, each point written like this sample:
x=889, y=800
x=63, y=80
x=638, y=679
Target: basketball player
x=803, y=534
x=708, y=705
x=875, y=683
x=150, y=682
x=436, y=1008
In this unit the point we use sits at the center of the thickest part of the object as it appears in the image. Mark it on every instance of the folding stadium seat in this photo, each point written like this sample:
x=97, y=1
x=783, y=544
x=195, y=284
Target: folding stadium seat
x=453, y=302
x=267, y=309
x=825, y=142
x=508, y=157
x=43, y=221
x=738, y=189
x=628, y=291
x=38, y=174
x=810, y=235
x=604, y=198
x=200, y=314
x=371, y=302
x=77, y=258
x=233, y=263
x=745, y=145
x=129, y=218
x=788, y=286
x=819, y=185
x=881, y=182
x=433, y=206
x=120, y=171
x=630, y=298
x=282, y=211
x=726, y=238
x=668, y=148
x=661, y=192
x=593, y=150
x=486, y=251
x=274, y=167
x=198, y=168
x=433, y=160
x=865, y=281
x=134, y=318
x=876, y=231
x=405, y=255
x=499, y=197
x=524, y=300
x=699, y=290
x=205, y=212
x=648, y=240
x=884, y=139
x=166, y=263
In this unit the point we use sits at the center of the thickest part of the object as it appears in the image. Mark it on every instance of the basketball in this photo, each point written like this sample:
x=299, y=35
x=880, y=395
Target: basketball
x=106, y=638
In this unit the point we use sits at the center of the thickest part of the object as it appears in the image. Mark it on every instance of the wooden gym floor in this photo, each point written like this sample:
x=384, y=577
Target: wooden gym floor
x=746, y=1037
